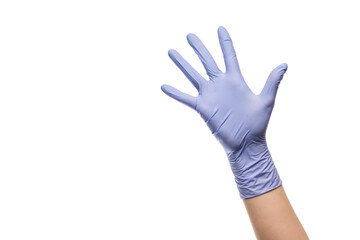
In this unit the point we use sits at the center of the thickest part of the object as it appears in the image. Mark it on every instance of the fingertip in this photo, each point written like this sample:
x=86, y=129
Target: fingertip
x=224, y=35
x=191, y=37
x=179, y=96
x=171, y=52
x=222, y=29
x=281, y=69
x=165, y=88
x=284, y=66
x=169, y=90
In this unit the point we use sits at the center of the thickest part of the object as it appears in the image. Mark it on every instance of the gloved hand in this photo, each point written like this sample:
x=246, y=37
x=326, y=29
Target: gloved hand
x=235, y=115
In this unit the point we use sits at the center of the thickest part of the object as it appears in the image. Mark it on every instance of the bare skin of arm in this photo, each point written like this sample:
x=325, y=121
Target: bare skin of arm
x=273, y=217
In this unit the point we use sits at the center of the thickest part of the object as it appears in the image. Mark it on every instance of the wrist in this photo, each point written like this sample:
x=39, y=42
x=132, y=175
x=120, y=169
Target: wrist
x=254, y=170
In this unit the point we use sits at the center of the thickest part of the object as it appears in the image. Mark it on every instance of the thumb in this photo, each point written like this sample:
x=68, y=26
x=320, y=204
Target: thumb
x=271, y=86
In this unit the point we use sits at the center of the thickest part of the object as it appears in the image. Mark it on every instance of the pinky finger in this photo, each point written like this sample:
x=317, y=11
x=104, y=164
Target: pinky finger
x=179, y=96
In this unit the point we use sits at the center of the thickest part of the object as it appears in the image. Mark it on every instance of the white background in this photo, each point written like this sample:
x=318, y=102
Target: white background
x=90, y=148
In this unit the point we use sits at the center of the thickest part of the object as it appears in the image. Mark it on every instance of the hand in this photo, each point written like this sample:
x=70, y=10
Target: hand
x=235, y=115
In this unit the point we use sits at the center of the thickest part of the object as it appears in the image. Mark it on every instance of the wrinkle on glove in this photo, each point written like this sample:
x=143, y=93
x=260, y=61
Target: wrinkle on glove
x=234, y=114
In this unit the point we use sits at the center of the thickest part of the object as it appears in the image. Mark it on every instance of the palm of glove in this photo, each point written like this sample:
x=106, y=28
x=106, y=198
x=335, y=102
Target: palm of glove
x=234, y=114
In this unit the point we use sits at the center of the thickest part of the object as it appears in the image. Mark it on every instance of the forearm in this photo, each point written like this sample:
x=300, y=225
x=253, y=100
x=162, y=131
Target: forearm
x=261, y=188
x=272, y=216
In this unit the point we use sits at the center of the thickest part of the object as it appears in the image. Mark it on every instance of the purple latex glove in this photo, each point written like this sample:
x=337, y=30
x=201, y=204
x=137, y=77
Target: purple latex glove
x=235, y=115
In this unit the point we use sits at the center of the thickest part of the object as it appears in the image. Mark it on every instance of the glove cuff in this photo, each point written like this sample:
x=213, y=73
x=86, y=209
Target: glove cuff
x=255, y=172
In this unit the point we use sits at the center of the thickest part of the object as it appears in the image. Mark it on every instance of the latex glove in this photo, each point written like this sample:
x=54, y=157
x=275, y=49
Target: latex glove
x=235, y=115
